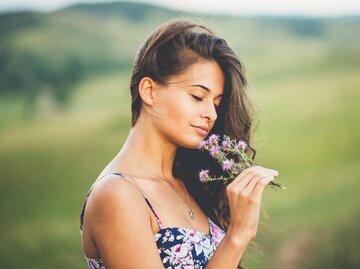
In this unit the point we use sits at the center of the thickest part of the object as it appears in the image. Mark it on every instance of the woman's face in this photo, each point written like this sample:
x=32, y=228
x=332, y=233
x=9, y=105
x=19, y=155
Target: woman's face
x=187, y=104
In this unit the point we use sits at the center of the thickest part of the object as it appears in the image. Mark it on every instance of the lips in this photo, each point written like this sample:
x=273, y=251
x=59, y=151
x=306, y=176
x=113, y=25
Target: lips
x=203, y=127
x=202, y=130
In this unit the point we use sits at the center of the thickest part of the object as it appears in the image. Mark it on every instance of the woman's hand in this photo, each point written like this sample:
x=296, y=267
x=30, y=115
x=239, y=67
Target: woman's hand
x=245, y=193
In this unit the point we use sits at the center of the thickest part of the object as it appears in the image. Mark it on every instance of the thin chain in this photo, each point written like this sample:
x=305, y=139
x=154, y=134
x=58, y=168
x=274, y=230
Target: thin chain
x=190, y=211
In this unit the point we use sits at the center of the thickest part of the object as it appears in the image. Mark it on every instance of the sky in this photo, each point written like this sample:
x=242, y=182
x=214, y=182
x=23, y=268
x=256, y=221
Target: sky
x=311, y=8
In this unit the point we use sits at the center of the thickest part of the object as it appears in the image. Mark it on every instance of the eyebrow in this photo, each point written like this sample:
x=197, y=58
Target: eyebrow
x=205, y=88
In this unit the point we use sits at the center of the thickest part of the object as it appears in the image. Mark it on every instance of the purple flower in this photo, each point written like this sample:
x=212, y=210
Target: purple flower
x=213, y=139
x=202, y=144
x=220, y=149
x=241, y=145
x=203, y=175
x=214, y=150
x=225, y=143
x=227, y=164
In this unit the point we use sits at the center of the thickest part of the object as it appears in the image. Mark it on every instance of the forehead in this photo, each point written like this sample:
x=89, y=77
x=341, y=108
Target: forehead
x=206, y=73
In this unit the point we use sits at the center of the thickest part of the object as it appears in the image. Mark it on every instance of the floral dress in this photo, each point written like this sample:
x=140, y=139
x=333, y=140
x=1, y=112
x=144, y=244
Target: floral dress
x=179, y=248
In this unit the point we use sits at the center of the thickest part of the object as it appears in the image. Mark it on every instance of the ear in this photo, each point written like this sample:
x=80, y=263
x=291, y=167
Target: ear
x=147, y=90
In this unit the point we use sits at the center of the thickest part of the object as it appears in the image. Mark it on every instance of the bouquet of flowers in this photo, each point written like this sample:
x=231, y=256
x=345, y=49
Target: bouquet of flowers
x=224, y=153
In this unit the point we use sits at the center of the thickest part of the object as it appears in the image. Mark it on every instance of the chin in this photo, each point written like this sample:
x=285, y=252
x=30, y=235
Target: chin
x=192, y=143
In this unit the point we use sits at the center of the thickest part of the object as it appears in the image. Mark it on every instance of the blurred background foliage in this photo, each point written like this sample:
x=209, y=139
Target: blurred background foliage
x=65, y=111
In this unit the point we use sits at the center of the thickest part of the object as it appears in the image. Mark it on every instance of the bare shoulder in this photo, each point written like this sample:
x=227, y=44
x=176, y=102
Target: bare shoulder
x=115, y=197
x=119, y=222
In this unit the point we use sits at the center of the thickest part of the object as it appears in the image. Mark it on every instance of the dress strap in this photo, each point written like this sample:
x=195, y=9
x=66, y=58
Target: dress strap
x=138, y=187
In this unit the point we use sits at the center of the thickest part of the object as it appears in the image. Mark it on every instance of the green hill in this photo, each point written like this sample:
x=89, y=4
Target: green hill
x=53, y=51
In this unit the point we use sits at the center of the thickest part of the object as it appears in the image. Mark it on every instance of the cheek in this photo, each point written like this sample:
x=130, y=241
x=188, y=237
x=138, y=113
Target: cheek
x=181, y=111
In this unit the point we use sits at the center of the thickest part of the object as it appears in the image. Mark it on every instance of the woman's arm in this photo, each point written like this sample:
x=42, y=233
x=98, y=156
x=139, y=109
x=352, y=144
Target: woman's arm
x=229, y=252
x=245, y=195
x=120, y=226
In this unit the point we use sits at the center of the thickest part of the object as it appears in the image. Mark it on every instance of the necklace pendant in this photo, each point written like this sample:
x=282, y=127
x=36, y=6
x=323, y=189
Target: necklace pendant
x=192, y=214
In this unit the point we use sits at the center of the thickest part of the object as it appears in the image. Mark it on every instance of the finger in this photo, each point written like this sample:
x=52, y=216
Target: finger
x=256, y=167
x=249, y=178
x=263, y=170
x=260, y=186
x=250, y=187
x=243, y=181
x=245, y=175
x=251, y=169
x=240, y=182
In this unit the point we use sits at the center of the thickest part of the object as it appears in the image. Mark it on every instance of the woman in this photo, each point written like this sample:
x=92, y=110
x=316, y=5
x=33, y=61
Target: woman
x=148, y=209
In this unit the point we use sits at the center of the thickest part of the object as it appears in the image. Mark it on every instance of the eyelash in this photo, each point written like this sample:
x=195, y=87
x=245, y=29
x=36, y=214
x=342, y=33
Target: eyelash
x=200, y=99
x=197, y=98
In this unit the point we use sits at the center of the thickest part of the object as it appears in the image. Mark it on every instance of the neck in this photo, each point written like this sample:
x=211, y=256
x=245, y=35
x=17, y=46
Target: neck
x=155, y=153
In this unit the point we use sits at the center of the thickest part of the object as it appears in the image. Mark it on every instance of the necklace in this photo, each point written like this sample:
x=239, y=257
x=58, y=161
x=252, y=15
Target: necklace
x=190, y=211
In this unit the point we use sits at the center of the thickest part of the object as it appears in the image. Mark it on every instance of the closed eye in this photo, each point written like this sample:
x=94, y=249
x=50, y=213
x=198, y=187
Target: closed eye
x=197, y=98
x=200, y=99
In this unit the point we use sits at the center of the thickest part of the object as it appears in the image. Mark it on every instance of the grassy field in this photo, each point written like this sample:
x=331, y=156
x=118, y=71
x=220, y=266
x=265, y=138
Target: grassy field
x=307, y=94
x=308, y=131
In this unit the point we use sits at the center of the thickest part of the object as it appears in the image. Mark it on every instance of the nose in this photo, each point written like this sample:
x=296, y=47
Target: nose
x=210, y=113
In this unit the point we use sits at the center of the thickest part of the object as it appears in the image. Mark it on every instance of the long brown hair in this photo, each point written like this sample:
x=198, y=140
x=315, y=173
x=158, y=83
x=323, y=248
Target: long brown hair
x=169, y=50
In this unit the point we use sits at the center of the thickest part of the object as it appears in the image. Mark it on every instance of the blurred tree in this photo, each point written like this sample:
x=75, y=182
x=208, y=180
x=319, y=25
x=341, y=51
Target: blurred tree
x=26, y=74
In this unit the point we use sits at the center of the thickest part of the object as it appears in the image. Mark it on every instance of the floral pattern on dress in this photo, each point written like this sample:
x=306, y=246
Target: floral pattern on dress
x=181, y=248
x=184, y=248
x=95, y=263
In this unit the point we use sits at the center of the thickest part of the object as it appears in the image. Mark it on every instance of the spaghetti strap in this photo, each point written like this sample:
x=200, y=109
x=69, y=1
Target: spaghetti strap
x=132, y=181
x=146, y=199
